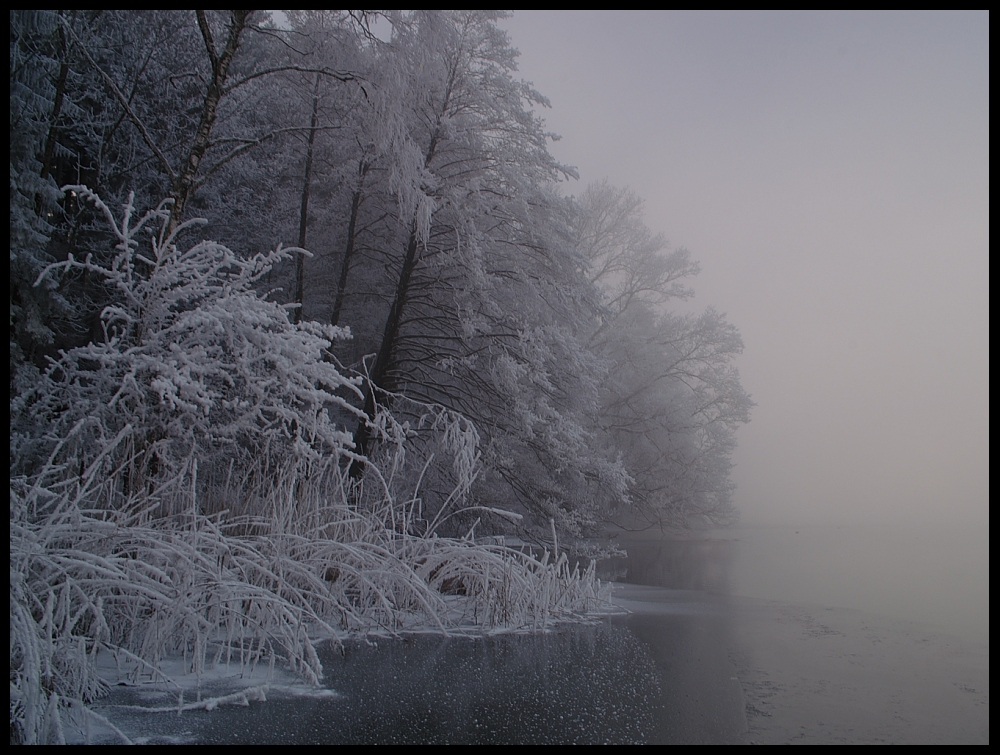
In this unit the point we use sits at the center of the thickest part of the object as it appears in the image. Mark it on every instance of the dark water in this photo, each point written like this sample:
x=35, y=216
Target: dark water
x=660, y=674
x=592, y=685
x=701, y=565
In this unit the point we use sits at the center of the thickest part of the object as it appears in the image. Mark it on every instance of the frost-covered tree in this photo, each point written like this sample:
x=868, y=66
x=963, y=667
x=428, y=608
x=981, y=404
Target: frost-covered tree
x=173, y=90
x=672, y=399
x=486, y=290
x=671, y=411
x=332, y=140
x=417, y=172
x=38, y=82
x=625, y=259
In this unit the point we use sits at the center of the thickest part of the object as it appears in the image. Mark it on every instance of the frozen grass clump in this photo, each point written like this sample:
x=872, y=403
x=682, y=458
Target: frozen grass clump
x=129, y=583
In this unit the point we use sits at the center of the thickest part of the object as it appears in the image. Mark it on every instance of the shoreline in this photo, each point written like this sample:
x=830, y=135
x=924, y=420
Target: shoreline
x=691, y=663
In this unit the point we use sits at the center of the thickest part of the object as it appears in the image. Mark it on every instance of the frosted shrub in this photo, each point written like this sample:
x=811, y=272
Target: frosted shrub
x=193, y=363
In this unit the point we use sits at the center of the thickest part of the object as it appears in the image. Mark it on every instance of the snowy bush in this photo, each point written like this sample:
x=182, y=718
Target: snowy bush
x=193, y=363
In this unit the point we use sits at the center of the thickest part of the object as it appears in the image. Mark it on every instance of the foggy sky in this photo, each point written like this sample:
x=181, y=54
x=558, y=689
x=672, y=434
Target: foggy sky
x=831, y=173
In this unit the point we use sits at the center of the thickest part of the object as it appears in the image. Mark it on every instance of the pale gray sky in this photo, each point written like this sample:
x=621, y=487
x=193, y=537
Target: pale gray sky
x=831, y=173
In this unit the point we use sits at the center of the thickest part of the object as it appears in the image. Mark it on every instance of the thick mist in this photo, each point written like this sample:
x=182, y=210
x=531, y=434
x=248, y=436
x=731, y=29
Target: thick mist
x=831, y=173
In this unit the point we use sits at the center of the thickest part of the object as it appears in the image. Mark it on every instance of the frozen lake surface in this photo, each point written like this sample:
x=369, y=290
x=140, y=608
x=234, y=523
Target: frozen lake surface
x=714, y=651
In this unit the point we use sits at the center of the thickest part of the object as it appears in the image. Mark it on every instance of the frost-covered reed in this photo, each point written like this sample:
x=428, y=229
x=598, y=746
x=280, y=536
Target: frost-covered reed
x=131, y=584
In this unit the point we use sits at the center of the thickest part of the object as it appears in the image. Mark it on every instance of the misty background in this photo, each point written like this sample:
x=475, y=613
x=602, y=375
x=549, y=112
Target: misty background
x=830, y=171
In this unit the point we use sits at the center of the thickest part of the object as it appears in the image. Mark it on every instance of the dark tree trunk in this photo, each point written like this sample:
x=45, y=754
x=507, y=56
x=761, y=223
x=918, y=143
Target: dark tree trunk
x=184, y=182
x=382, y=376
x=300, y=260
x=352, y=230
x=50, y=140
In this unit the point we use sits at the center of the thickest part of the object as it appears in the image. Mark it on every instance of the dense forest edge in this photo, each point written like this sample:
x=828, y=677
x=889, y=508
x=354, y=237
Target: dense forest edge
x=309, y=340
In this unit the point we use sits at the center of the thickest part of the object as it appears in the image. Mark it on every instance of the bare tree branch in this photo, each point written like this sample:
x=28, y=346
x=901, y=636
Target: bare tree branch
x=206, y=34
x=338, y=75
x=123, y=101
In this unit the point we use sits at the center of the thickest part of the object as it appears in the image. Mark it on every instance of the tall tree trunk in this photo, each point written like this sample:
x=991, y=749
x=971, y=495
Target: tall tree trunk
x=381, y=375
x=50, y=140
x=184, y=182
x=352, y=230
x=300, y=260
